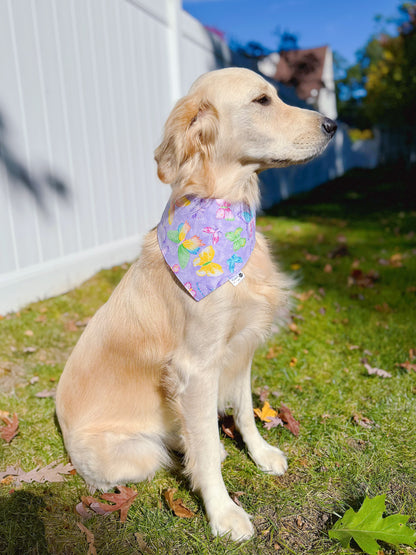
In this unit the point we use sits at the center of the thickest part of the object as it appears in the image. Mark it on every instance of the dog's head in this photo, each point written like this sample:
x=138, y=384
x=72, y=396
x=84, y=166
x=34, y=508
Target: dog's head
x=232, y=122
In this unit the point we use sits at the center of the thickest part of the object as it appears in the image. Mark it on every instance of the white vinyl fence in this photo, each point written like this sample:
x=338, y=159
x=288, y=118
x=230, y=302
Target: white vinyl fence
x=85, y=87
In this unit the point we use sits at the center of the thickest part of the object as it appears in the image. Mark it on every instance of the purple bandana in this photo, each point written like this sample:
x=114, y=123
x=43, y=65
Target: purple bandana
x=206, y=242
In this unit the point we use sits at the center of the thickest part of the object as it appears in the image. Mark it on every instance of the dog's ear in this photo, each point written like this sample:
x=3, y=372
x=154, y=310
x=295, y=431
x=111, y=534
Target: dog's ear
x=191, y=129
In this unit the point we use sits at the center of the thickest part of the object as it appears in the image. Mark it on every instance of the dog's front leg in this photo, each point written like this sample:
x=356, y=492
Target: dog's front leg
x=268, y=458
x=198, y=401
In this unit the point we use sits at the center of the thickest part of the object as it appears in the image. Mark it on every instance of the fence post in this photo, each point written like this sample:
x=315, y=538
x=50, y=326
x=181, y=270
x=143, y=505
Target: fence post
x=173, y=12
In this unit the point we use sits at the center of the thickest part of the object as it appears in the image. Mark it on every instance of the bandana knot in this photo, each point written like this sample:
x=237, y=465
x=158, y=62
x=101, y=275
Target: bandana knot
x=206, y=242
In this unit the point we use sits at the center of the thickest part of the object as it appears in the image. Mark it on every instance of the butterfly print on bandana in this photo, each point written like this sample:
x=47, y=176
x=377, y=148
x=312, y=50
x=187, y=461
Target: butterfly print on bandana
x=186, y=246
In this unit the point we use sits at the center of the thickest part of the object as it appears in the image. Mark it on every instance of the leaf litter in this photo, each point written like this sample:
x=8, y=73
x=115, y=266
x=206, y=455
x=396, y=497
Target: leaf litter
x=121, y=501
x=53, y=472
x=177, y=505
x=11, y=428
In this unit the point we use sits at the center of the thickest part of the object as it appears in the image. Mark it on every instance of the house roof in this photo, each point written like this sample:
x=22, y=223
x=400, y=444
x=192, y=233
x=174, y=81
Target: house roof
x=301, y=69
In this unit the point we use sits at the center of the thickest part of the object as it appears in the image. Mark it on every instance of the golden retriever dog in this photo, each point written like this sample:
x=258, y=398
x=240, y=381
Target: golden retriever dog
x=155, y=366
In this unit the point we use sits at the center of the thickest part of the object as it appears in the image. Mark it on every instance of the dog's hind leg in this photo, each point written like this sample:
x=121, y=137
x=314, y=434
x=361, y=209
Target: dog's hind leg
x=108, y=459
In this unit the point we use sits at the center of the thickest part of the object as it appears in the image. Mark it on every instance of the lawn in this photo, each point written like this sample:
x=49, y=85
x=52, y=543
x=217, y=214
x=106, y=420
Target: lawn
x=351, y=245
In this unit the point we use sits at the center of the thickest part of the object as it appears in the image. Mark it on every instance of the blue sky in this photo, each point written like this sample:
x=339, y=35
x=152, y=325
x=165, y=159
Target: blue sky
x=345, y=26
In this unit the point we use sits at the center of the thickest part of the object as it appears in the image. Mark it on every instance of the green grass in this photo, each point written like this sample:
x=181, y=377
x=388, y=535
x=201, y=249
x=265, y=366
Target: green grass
x=333, y=463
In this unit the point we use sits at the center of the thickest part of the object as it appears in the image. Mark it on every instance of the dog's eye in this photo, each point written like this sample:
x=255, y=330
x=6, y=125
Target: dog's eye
x=264, y=100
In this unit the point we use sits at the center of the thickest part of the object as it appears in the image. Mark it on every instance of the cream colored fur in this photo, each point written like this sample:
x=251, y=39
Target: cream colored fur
x=154, y=367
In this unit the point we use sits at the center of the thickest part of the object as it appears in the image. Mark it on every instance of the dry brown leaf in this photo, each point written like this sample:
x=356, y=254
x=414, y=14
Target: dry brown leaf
x=46, y=393
x=264, y=393
x=228, y=425
x=408, y=366
x=383, y=308
x=362, y=421
x=273, y=352
x=29, y=333
x=266, y=413
x=11, y=429
x=341, y=250
x=53, y=472
x=294, y=328
x=327, y=268
x=177, y=505
x=396, y=260
x=90, y=539
x=71, y=326
x=288, y=419
x=358, y=277
x=273, y=423
x=311, y=257
x=121, y=502
x=143, y=547
x=375, y=371
x=305, y=295
x=235, y=496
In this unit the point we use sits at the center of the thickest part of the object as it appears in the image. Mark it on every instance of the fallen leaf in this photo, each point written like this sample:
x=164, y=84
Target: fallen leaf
x=34, y=380
x=121, y=502
x=143, y=547
x=235, y=496
x=264, y=393
x=41, y=318
x=294, y=328
x=10, y=430
x=53, y=472
x=71, y=326
x=341, y=250
x=383, y=308
x=327, y=268
x=358, y=277
x=408, y=366
x=367, y=526
x=177, y=505
x=353, y=347
x=29, y=350
x=273, y=352
x=375, y=371
x=273, y=423
x=396, y=260
x=46, y=393
x=29, y=333
x=295, y=266
x=289, y=421
x=228, y=425
x=266, y=413
x=362, y=421
x=311, y=257
x=83, y=511
x=90, y=538
x=305, y=295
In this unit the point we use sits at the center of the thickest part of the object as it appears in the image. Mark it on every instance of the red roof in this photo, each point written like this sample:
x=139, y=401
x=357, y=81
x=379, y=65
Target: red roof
x=302, y=69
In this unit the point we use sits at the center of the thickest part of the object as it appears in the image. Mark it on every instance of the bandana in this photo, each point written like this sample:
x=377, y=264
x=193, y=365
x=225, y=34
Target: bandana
x=206, y=242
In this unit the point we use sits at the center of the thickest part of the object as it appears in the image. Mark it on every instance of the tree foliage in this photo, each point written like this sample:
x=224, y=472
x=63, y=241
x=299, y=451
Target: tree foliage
x=381, y=86
x=391, y=80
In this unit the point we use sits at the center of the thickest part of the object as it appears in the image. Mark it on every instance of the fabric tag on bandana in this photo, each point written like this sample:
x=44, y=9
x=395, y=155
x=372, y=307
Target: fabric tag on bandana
x=206, y=242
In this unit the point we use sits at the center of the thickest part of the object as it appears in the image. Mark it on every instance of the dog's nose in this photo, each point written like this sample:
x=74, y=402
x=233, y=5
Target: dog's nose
x=329, y=126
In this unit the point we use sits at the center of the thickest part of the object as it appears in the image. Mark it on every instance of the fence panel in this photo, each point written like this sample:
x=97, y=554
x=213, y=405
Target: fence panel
x=85, y=87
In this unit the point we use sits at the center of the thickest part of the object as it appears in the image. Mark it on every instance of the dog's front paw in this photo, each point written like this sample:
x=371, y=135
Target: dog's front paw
x=270, y=459
x=232, y=520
